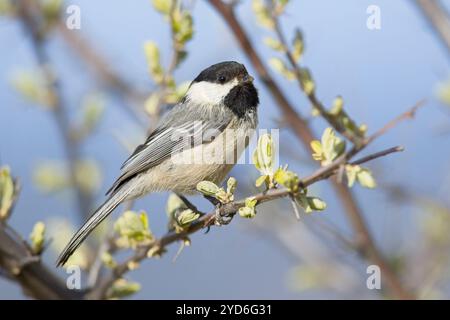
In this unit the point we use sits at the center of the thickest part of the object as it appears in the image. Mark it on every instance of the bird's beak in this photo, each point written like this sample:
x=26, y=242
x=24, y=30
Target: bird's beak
x=247, y=79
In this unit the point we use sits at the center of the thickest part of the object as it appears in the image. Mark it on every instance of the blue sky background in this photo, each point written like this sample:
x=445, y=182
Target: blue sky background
x=379, y=73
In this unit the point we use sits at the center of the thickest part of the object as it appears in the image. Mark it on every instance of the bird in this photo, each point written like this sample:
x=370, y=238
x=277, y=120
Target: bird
x=199, y=138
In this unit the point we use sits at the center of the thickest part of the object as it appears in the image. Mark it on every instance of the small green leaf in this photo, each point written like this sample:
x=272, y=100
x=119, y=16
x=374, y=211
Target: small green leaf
x=6, y=192
x=231, y=185
x=163, y=6
x=302, y=201
x=144, y=219
x=337, y=107
x=181, y=56
x=208, y=188
x=250, y=202
x=316, y=204
x=274, y=44
x=34, y=87
x=51, y=9
x=247, y=212
x=288, y=179
x=332, y=147
x=37, y=237
x=363, y=129
x=174, y=203
x=92, y=109
x=88, y=176
x=262, y=13
x=298, y=45
x=182, y=26
x=443, y=92
x=152, y=54
x=186, y=217
x=224, y=196
x=6, y=8
x=263, y=156
x=122, y=288
x=152, y=103
x=280, y=6
x=366, y=179
x=351, y=172
x=178, y=93
x=315, y=112
x=278, y=65
x=108, y=260
x=133, y=227
x=61, y=231
x=362, y=175
x=309, y=204
x=307, y=81
x=316, y=146
x=50, y=176
x=261, y=180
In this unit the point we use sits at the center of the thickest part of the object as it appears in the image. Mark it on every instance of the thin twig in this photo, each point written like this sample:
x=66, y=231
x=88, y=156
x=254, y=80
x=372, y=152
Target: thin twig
x=438, y=18
x=409, y=114
x=378, y=155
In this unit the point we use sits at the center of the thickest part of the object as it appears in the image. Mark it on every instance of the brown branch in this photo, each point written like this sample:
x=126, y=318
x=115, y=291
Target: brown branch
x=409, y=114
x=376, y=155
x=36, y=280
x=438, y=18
x=305, y=135
x=207, y=220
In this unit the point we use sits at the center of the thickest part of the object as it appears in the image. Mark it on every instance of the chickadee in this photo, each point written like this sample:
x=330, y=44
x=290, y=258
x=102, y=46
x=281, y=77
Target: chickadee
x=221, y=99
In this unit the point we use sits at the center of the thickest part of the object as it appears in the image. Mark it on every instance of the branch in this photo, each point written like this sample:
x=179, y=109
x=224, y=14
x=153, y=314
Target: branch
x=22, y=266
x=378, y=155
x=209, y=219
x=305, y=135
x=409, y=114
x=29, y=13
x=438, y=18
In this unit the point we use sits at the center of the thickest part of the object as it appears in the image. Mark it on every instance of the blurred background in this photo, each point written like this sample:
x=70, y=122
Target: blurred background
x=379, y=73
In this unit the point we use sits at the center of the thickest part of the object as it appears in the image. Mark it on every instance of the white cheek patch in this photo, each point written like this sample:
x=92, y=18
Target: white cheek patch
x=205, y=93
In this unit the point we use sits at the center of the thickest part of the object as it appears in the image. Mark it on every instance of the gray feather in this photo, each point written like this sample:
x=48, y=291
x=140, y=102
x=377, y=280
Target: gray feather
x=194, y=123
x=94, y=220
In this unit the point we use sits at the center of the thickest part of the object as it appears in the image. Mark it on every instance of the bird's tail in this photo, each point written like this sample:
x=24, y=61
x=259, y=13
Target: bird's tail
x=94, y=220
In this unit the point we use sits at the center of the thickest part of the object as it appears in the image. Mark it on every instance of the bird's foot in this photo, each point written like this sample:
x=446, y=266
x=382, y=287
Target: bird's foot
x=220, y=218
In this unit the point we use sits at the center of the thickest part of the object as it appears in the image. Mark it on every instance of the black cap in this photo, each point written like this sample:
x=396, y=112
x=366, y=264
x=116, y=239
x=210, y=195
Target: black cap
x=222, y=72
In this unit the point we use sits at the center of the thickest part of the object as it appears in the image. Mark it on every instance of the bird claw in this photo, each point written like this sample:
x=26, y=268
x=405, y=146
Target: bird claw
x=221, y=219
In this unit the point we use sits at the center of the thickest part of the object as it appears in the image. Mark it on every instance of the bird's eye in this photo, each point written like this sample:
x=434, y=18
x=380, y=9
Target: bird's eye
x=222, y=79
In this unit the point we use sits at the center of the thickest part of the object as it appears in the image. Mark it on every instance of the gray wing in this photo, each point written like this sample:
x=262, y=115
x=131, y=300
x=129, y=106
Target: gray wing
x=181, y=124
